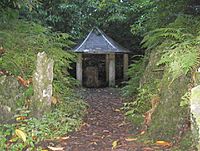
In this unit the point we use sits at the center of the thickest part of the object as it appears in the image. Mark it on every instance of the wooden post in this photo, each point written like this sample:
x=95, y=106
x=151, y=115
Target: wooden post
x=111, y=70
x=79, y=70
x=107, y=67
x=125, y=66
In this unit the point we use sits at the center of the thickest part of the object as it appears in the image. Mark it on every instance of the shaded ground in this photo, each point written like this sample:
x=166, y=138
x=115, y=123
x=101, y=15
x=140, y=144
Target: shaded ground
x=103, y=125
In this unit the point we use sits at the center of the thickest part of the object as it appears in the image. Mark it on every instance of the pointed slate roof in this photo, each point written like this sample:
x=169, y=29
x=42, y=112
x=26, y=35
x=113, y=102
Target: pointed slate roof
x=98, y=42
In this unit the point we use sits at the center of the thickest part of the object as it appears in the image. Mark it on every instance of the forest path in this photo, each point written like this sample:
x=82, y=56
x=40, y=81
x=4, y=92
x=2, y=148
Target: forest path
x=103, y=125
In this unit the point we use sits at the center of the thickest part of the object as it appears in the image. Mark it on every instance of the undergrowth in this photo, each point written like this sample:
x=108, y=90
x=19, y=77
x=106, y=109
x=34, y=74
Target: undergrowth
x=20, y=41
x=134, y=72
x=63, y=118
x=176, y=47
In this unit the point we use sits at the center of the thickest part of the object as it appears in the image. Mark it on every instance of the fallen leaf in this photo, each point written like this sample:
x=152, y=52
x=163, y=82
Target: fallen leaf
x=93, y=143
x=122, y=124
x=114, y=144
x=54, y=100
x=163, y=143
x=44, y=150
x=56, y=148
x=106, y=131
x=2, y=50
x=21, y=118
x=18, y=118
x=64, y=138
x=130, y=139
x=147, y=149
x=142, y=132
x=21, y=134
x=23, y=81
x=34, y=137
x=13, y=139
x=117, y=110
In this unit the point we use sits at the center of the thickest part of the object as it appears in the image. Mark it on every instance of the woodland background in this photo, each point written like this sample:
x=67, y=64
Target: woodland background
x=164, y=33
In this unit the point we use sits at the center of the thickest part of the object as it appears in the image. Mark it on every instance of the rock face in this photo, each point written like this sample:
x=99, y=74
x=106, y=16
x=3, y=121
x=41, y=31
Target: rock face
x=42, y=85
x=195, y=111
x=10, y=92
x=168, y=118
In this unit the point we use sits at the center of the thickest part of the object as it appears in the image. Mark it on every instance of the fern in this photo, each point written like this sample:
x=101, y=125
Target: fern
x=179, y=45
x=135, y=72
x=22, y=40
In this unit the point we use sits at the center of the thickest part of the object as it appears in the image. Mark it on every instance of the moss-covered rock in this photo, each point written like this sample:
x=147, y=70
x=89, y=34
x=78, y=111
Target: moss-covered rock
x=10, y=93
x=169, y=117
x=169, y=120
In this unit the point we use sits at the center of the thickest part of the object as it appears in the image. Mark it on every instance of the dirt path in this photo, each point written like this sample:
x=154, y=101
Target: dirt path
x=103, y=125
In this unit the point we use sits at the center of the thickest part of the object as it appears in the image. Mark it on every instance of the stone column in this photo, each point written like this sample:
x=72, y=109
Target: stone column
x=125, y=66
x=111, y=70
x=79, y=70
x=107, y=67
x=42, y=85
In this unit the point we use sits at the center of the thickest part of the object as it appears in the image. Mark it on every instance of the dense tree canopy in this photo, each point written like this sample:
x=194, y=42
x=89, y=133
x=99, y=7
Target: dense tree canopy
x=129, y=19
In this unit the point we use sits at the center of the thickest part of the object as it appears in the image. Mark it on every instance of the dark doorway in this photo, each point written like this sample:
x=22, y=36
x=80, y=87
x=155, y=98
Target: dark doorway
x=94, y=70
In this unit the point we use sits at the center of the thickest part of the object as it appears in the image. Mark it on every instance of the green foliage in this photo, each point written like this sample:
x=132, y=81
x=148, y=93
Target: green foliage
x=136, y=107
x=135, y=73
x=109, y=15
x=179, y=44
x=22, y=40
x=156, y=14
x=4, y=4
x=186, y=142
x=63, y=119
x=185, y=99
x=176, y=47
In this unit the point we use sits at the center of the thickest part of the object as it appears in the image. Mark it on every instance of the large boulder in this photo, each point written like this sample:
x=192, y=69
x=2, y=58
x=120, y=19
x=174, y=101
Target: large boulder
x=10, y=93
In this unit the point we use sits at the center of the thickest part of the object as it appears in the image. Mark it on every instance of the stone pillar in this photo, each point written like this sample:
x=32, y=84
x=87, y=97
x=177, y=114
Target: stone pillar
x=107, y=67
x=42, y=85
x=195, y=113
x=79, y=70
x=111, y=70
x=125, y=66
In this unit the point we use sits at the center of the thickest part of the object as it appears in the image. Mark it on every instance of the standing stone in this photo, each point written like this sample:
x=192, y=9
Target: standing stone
x=195, y=113
x=42, y=85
